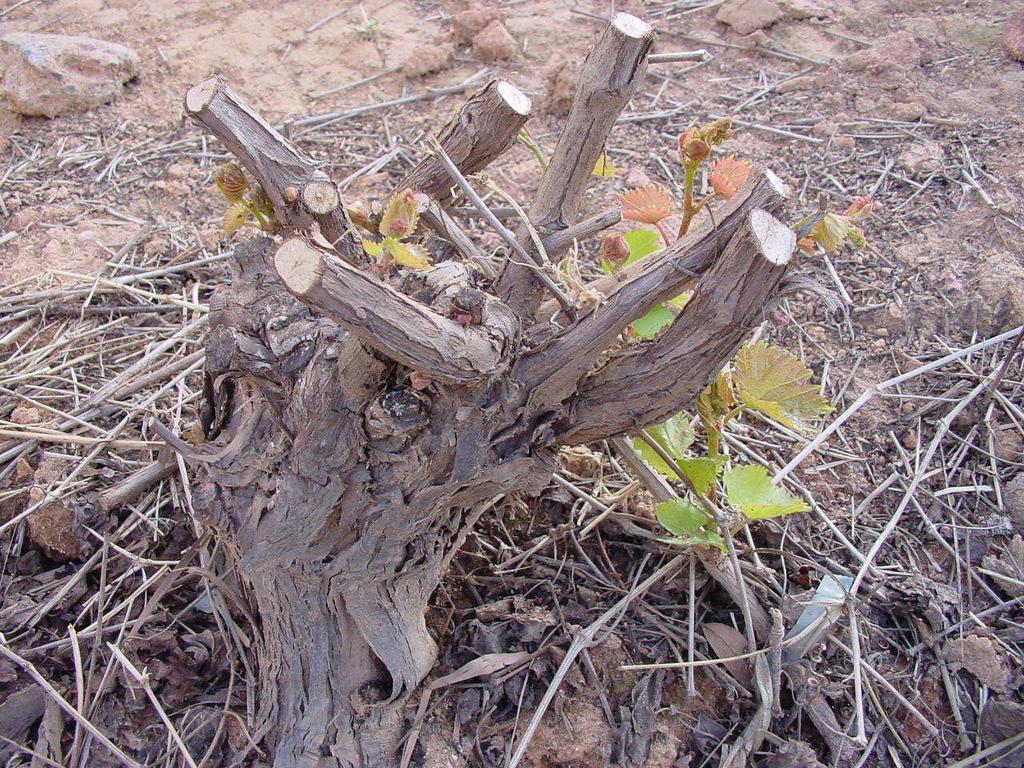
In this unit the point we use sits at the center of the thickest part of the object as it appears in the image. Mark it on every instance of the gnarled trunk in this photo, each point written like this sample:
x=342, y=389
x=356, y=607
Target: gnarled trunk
x=357, y=426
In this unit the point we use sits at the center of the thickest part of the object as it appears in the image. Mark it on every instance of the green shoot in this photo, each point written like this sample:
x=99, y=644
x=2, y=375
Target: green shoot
x=765, y=379
x=399, y=221
x=247, y=204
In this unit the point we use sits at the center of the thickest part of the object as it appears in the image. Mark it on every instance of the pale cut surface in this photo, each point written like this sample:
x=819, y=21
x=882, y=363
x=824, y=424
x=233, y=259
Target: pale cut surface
x=777, y=184
x=775, y=240
x=298, y=265
x=518, y=101
x=630, y=25
x=199, y=95
x=320, y=196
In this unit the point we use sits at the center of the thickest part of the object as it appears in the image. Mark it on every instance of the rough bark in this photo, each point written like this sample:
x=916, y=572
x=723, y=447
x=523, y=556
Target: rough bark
x=281, y=169
x=357, y=425
x=613, y=69
x=486, y=125
x=644, y=384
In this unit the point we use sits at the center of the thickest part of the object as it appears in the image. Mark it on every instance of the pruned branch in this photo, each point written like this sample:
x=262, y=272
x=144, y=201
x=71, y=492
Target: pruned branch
x=562, y=240
x=437, y=218
x=645, y=384
x=485, y=126
x=614, y=67
x=394, y=324
x=555, y=369
x=299, y=192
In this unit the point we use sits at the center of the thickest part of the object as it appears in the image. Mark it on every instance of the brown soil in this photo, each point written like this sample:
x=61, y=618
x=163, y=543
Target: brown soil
x=913, y=102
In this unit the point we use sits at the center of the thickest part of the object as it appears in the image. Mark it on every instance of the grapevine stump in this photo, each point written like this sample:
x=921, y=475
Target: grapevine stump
x=337, y=491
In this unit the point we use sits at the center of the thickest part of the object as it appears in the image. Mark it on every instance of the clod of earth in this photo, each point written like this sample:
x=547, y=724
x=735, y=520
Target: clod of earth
x=50, y=75
x=357, y=426
x=746, y=16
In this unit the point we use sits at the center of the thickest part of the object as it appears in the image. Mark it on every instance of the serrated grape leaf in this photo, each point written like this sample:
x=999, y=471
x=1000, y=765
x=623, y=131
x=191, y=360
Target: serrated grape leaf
x=401, y=215
x=641, y=242
x=657, y=317
x=702, y=471
x=674, y=435
x=750, y=490
x=373, y=248
x=681, y=517
x=648, y=204
x=235, y=217
x=728, y=175
x=772, y=381
x=407, y=254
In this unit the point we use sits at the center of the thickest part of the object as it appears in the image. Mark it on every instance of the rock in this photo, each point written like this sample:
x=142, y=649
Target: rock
x=14, y=490
x=907, y=111
x=896, y=52
x=1001, y=288
x=921, y=159
x=794, y=754
x=26, y=414
x=50, y=75
x=637, y=177
x=1007, y=444
x=468, y=24
x=802, y=83
x=1010, y=563
x=50, y=529
x=746, y=16
x=426, y=58
x=798, y=10
x=1013, y=36
x=494, y=43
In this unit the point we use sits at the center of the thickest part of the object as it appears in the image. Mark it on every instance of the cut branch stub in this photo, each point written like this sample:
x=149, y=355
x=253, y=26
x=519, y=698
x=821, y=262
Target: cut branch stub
x=555, y=369
x=391, y=322
x=613, y=69
x=483, y=129
x=646, y=384
x=272, y=160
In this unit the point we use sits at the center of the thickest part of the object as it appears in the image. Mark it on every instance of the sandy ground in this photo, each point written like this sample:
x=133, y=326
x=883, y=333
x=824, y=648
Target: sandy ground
x=913, y=102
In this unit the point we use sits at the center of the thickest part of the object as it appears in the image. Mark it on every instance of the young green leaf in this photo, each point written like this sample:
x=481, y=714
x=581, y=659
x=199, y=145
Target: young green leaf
x=373, y=249
x=407, y=254
x=750, y=490
x=689, y=524
x=772, y=381
x=235, y=217
x=641, y=242
x=702, y=471
x=675, y=436
x=401, y=215
x=657, y=317
x=681, y=516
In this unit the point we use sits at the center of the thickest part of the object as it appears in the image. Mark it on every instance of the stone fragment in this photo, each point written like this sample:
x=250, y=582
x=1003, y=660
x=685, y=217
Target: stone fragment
x=921, y=159
x=427, y=58
x=746, y=16
x=494, y=43
x=50, y=75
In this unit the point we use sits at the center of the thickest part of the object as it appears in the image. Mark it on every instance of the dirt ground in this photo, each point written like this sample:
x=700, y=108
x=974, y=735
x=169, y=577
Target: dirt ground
x=914, y=103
